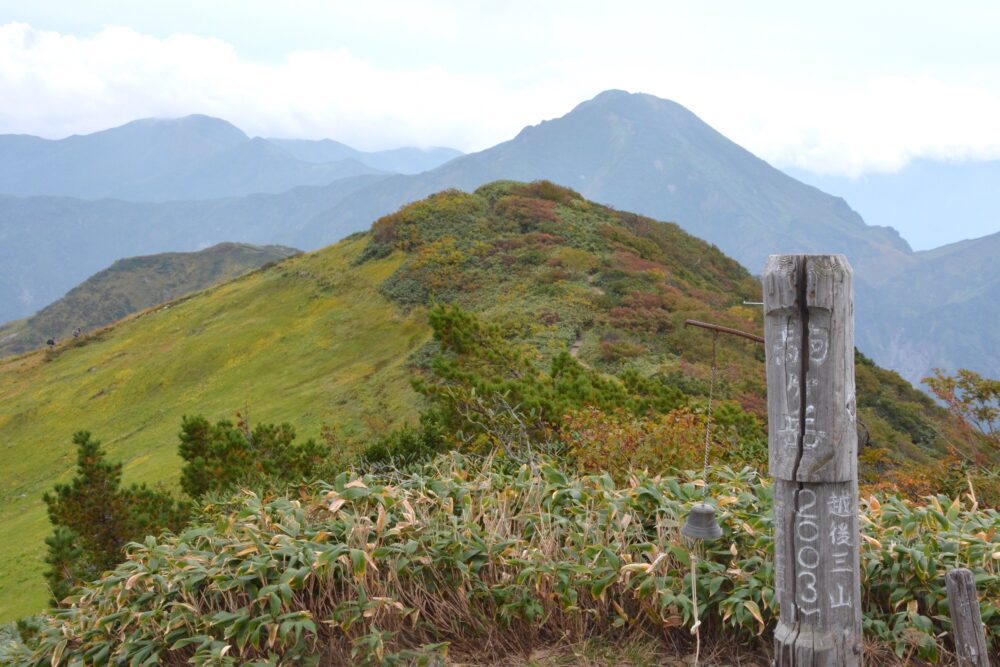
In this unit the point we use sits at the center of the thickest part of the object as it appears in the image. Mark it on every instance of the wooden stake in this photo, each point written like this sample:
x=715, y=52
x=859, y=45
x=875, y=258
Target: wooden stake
x=966, y=621
x=812, y=447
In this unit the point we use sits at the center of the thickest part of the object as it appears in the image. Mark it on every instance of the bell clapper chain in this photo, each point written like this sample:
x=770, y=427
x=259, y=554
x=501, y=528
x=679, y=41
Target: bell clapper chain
x=702, y=523
x=708, y=420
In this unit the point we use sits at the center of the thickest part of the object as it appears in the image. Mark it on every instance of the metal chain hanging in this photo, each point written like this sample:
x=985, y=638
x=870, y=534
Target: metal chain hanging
x=708, y=418
x=702, y=523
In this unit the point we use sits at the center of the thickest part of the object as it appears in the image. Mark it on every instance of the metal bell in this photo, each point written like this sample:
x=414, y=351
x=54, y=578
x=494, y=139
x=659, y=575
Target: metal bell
x=702, y=524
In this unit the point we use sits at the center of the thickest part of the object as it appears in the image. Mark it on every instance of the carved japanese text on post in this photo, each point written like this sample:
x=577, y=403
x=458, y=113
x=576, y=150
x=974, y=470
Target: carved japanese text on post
x=810, y=371
x=813, y=448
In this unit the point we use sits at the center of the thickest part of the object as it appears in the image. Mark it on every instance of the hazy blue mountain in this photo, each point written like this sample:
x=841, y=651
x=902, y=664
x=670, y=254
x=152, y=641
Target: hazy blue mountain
x=134, y=284
x=407, y=160
x=194, y=157
x=632, y=151
x=939, y=311
x=254, y=166
x=931, y=202
x=641, y=153
x=95, y=165
x=50, y=244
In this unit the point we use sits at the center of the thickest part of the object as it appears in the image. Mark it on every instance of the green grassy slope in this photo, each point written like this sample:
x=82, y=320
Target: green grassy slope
x=134, y=284
x=307, y=341
x=334, y=336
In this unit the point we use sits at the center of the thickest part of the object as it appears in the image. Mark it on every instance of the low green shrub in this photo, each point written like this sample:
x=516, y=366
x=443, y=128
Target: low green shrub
x=472, y=555
x=222, y=457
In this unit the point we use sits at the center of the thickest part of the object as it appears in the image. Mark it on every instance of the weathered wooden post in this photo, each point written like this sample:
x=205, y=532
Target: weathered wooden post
x=966, y=619
x=809, y=337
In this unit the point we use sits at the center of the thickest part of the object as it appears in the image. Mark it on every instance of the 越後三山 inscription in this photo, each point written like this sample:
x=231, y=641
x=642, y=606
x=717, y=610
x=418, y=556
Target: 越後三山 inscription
x=811, y=413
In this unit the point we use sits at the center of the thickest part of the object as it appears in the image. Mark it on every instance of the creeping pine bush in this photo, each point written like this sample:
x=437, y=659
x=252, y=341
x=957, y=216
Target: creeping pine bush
x=479, y=557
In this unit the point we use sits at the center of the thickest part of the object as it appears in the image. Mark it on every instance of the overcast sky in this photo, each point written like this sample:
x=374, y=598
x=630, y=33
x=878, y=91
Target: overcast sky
x=838, y=88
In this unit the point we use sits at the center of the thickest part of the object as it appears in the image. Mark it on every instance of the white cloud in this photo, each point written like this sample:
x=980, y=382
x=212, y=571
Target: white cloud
x=877, y=127
x=55, y=84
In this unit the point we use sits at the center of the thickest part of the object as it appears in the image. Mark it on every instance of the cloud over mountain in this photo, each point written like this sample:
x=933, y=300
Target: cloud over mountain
x=861, y=118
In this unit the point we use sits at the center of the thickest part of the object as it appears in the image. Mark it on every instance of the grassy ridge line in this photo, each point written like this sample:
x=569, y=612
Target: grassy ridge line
x=332, y=352
x=131, y=285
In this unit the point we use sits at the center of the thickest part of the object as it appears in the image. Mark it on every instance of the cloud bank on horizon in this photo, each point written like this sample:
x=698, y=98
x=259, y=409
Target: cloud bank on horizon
x=782, y=102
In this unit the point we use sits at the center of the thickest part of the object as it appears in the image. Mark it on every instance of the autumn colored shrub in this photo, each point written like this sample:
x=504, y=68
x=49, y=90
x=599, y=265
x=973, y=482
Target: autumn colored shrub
x=411, y=226
x=975, y=402
x=480, y=370
x=618, y=442
x=615, y=349
x=527, y=212
x=643, y=247
x=647, y=312
x=546, y=190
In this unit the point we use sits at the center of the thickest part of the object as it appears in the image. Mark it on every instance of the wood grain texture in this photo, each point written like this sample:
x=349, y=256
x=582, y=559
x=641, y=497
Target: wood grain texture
x=830, y=437
x=809, y=341
x=783, y=345
x=817, y=572
x=966, y=619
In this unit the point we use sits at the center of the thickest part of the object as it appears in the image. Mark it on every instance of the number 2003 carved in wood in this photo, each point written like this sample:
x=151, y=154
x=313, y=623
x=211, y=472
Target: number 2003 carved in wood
x=809, y=336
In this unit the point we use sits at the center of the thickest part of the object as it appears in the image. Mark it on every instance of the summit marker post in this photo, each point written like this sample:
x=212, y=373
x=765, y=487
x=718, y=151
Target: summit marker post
x=812, y=446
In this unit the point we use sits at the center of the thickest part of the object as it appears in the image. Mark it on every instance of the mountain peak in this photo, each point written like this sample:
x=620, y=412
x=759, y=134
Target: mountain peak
x=208, y=127
x=612, y=94
x=628, y=112
x=622, y=100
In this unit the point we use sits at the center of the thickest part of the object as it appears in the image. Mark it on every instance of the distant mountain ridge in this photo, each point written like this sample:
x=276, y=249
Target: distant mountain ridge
x=406, y=160
x=134, y=284
x=631, y=151
x=931, y=202
x=940, y=311
x=50, y=244
x=193, y=157
x=642, y=153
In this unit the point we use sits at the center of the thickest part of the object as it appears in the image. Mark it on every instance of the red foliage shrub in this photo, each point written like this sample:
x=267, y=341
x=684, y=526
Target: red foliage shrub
x=541, y=238
x=552, y=275
x=754, y=403
x=527, y=212
x=546, y=190
x=649, y=312
x=618, y=441
x=616, y=350
x=629, y=261
x=509, y=243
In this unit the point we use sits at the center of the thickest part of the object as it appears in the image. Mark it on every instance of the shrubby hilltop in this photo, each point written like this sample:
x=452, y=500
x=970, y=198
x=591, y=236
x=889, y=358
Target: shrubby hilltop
x=330, y=342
